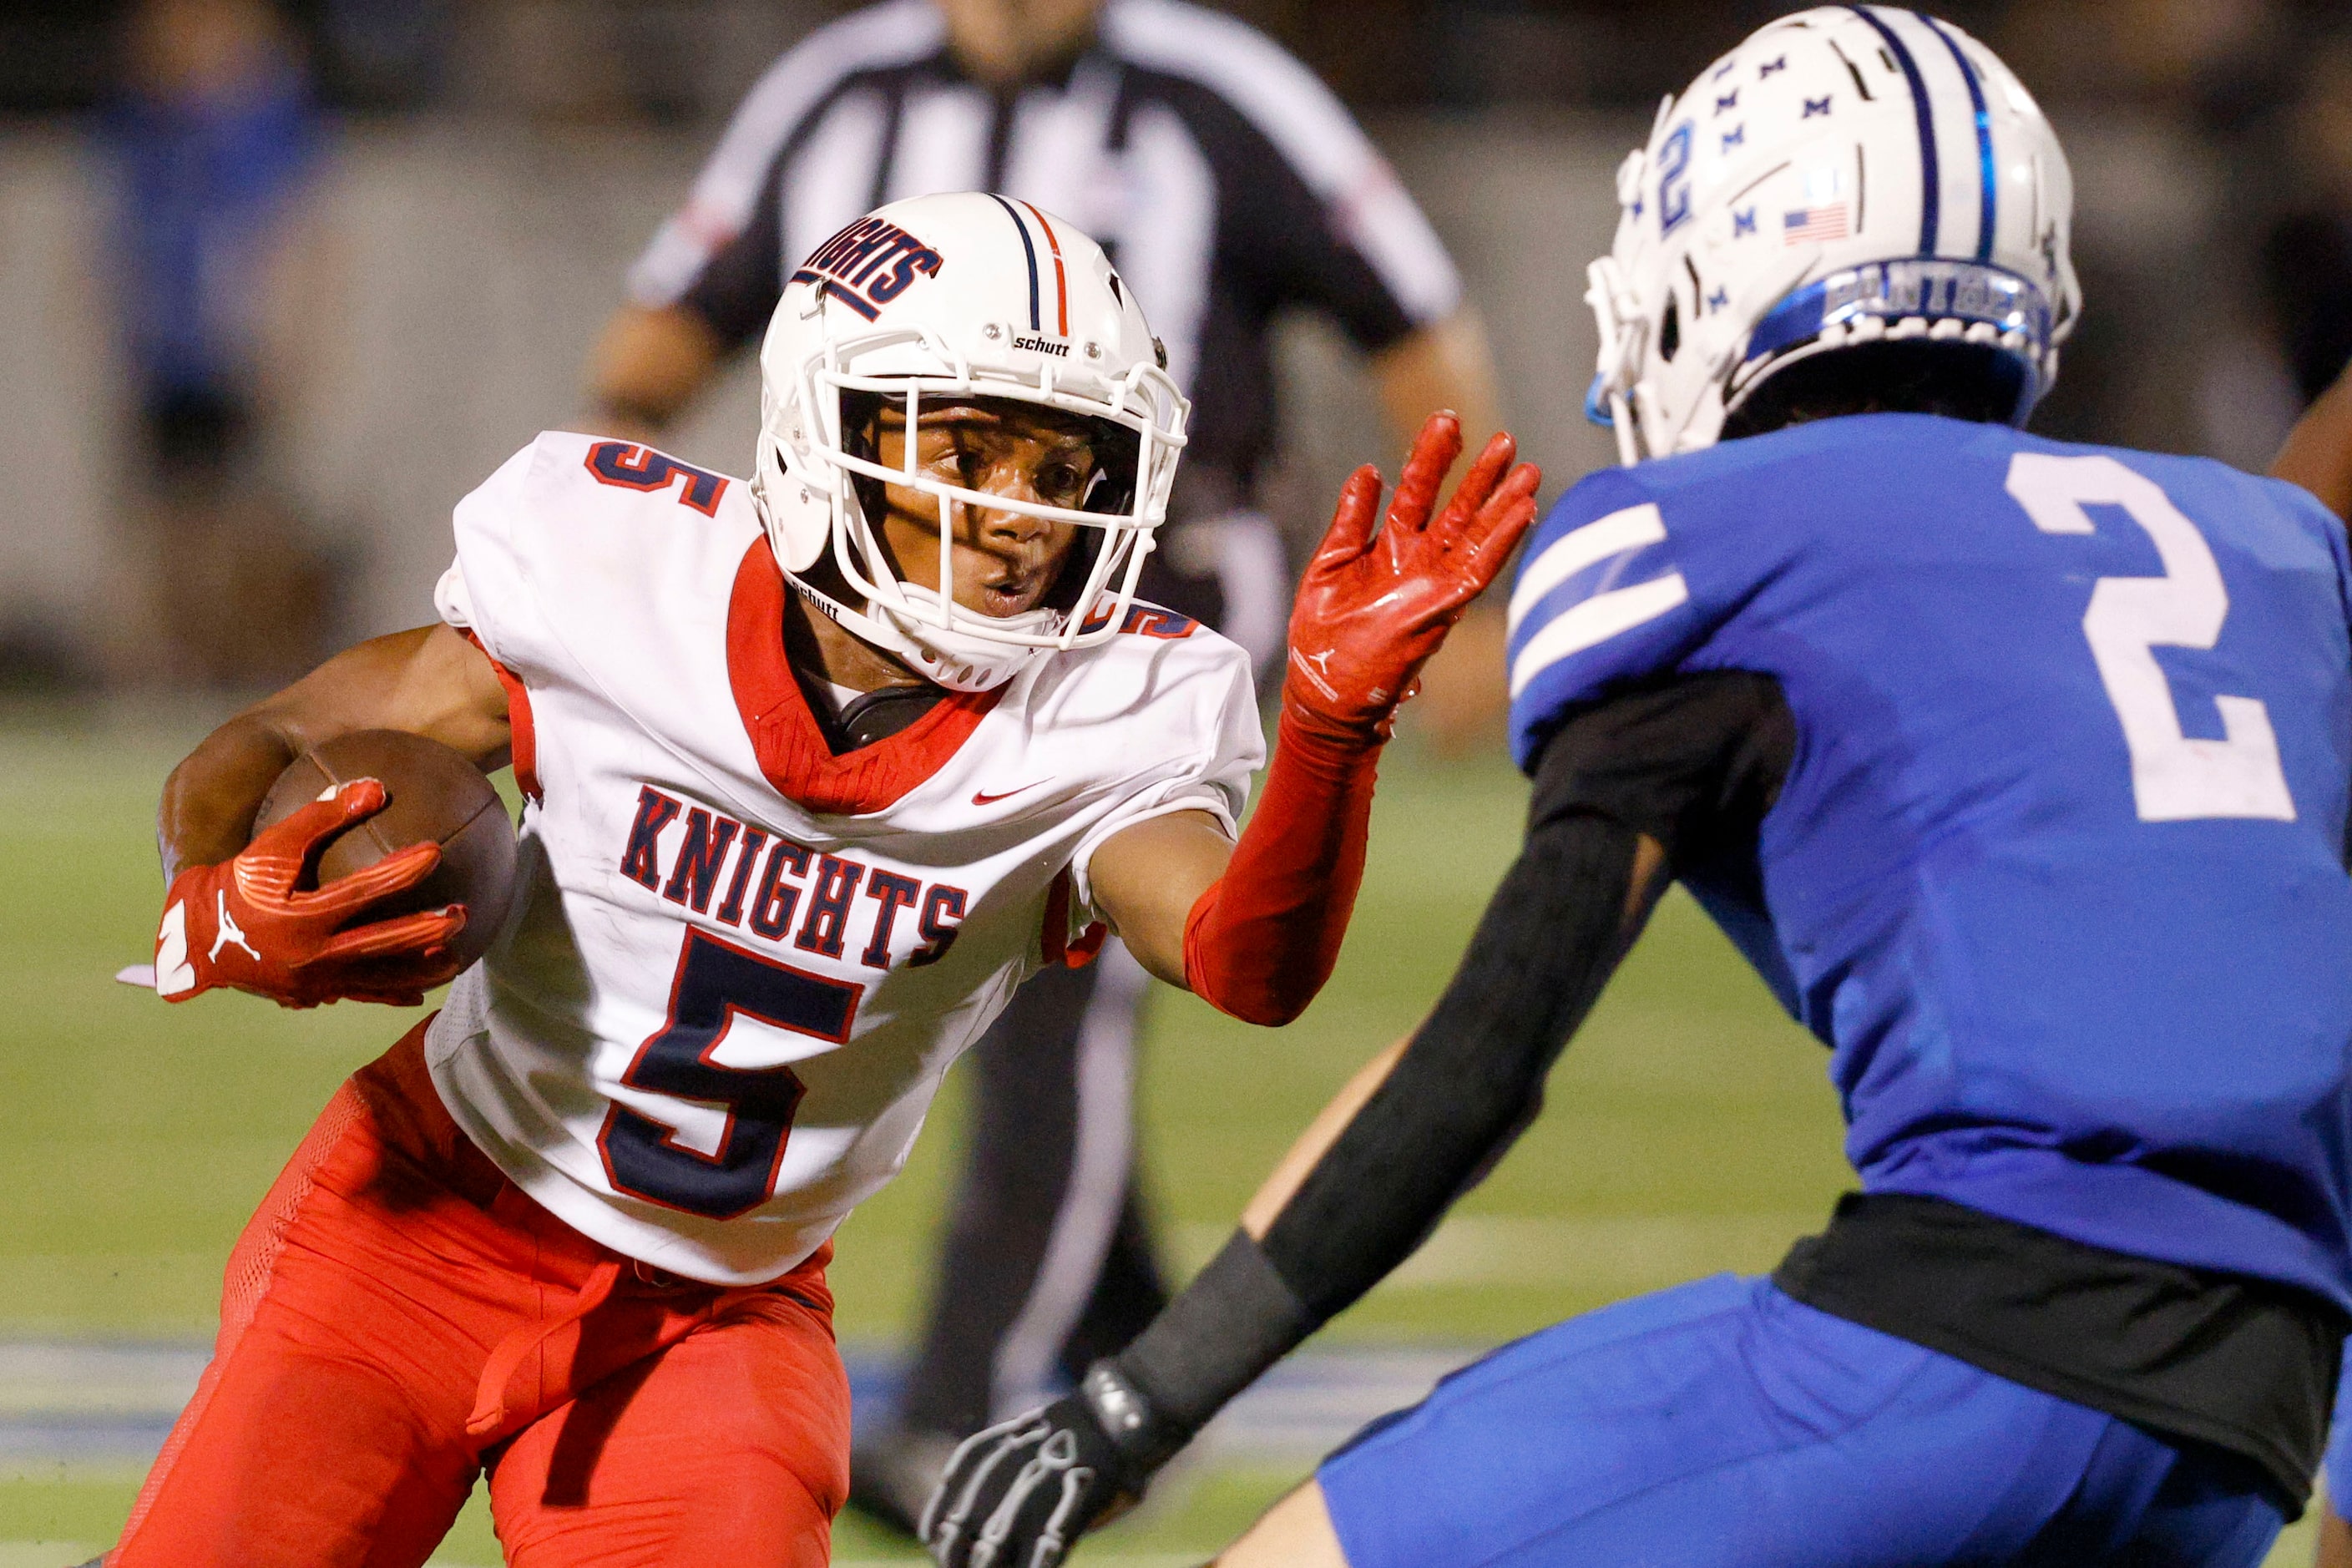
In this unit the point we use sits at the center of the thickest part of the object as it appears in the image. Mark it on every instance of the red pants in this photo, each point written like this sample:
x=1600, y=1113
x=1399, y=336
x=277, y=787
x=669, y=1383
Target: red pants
x=399, y=1317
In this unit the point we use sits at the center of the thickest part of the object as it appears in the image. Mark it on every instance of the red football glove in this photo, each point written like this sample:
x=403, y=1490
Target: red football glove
x=1372, y=609
x=1261, y=941
x=242, y=924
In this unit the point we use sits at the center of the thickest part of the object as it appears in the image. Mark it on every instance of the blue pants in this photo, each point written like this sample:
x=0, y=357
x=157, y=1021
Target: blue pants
x=1723, y=1425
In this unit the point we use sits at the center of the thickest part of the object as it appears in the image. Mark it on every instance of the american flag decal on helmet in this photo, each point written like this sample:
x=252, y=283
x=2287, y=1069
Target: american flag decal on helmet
x=1809, y=226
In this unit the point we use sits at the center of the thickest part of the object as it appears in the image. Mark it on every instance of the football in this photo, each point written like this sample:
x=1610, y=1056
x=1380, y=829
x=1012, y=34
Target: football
x=435, y=797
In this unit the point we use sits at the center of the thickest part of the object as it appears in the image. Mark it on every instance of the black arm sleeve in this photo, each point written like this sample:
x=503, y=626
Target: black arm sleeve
x=1665, y=763
x=1460, y=1091
x=1470, y=1079
x=1691, y=760
x=1694, y=765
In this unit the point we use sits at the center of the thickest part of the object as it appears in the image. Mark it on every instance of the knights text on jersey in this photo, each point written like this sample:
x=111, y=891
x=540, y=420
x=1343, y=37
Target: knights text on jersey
x=2057, y=870
x=739, y=965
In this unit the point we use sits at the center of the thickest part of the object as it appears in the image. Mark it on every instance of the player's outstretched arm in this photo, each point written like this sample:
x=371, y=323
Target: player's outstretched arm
x=2318, y=451
x=1255, y=928
x=233, y=916
x=1361, y=1189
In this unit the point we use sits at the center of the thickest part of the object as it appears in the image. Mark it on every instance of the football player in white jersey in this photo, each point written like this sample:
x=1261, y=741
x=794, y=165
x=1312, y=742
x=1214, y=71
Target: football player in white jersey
x=817, y=769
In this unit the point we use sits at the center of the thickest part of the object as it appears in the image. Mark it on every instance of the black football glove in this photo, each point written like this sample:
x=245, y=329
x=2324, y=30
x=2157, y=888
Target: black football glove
x=1021, y=1493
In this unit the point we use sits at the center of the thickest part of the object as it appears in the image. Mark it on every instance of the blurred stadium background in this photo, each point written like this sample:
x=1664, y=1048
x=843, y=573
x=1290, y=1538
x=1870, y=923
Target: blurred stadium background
x=475, y=179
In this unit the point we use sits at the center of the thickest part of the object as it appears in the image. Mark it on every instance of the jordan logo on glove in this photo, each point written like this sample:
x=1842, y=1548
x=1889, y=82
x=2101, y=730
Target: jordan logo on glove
x=228, y=931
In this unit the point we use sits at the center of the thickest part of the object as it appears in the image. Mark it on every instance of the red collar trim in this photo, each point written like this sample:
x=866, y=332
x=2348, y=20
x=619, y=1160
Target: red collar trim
x=791, y=749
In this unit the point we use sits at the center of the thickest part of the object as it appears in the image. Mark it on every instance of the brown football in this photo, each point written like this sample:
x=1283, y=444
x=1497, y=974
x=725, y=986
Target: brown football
x=435, y=797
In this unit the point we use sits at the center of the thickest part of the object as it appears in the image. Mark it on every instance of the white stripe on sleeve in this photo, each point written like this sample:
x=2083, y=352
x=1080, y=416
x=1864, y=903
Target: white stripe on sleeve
x=895, y=32
x=1309, y=127
x=1616, y=534
x=1595, y=620
x=1166, y=248
x=830, y=180
x=1054, y=154
x=942, y=144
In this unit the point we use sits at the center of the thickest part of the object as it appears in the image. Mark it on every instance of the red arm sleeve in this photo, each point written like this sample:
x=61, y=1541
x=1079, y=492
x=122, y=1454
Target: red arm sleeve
x=1261, y=941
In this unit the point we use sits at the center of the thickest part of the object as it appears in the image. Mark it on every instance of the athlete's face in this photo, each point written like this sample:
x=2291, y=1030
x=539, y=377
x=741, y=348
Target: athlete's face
x=1002, y=563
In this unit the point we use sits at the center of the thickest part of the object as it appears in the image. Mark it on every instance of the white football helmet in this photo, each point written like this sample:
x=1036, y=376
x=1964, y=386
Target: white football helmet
x=1845, y=175
x=947, y=297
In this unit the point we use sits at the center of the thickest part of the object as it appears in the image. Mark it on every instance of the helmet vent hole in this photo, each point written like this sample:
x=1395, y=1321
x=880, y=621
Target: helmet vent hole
x=1670, y=330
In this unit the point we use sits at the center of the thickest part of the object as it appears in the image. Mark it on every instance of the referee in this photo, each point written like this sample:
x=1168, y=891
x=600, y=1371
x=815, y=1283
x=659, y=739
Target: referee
x=1227, y=183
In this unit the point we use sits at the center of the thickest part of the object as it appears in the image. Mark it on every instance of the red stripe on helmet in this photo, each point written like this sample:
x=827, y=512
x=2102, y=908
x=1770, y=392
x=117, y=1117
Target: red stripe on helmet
x=1061, y=279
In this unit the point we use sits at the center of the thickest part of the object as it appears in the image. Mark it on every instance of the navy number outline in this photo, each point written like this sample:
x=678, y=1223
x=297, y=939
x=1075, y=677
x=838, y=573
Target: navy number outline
x=1673, y=189
x=716, y=982
x=629, y=467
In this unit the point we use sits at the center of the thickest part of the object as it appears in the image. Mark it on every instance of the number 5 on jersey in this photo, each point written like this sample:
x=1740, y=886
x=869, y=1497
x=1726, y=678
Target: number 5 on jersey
x=2175, y=777
x=752, y=1107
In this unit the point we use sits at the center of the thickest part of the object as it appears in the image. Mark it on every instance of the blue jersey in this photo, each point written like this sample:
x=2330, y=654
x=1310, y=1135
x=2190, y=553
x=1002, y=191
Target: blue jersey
x=2058, y=868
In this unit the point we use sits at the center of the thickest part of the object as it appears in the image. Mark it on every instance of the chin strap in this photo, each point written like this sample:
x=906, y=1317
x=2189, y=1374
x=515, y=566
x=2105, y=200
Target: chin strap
x=970, y=666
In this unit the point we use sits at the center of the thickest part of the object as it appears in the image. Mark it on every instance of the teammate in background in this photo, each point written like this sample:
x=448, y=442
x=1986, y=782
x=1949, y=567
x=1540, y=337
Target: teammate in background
x=1227, y=184
x=2018, y=770
x=818, y=770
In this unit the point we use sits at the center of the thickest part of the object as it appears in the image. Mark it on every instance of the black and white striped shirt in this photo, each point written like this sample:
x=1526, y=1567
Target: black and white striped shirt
x=1224, y=180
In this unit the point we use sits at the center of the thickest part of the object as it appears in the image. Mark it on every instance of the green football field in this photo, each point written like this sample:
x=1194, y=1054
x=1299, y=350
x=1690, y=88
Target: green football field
x=1690, y=1127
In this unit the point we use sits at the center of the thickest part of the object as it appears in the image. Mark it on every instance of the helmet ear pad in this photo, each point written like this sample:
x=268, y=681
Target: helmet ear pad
x=799, y=514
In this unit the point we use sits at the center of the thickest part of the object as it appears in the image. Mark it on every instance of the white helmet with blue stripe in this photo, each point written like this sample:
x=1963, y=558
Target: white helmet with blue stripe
x=949, y=297
x=1848, y=174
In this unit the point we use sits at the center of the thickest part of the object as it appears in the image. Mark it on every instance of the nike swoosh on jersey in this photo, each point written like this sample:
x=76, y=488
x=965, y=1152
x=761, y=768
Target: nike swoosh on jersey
x=979, y=798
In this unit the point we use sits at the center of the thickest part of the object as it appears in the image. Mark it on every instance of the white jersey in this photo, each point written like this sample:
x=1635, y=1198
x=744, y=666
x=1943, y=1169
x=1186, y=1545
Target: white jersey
x=738, y=965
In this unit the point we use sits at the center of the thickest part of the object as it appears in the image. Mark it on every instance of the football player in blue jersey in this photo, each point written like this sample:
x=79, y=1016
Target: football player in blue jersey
x=2018, y=770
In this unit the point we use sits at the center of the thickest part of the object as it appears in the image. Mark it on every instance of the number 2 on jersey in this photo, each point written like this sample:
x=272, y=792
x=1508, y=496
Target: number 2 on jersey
x=2175, y=777
x=717, y=983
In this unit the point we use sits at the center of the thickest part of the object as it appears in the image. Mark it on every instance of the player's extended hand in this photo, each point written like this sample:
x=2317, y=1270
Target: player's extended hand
x=1021, y=1493
x=245, y=924
x=1372, y=608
